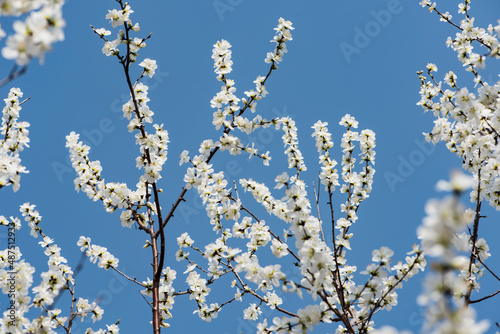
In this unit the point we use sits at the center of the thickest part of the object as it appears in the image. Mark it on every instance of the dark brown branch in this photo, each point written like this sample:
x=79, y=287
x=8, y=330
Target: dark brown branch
x=484, y=298
x=475, y=231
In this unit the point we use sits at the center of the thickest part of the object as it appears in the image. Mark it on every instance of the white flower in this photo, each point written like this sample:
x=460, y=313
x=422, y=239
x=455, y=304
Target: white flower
x=310, y=316
x=103, y=32
x=459, y=182
x=149, y=66
x=252, y=312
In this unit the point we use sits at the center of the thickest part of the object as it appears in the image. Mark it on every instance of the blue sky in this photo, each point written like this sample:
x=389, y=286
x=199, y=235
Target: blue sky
x=80, y=89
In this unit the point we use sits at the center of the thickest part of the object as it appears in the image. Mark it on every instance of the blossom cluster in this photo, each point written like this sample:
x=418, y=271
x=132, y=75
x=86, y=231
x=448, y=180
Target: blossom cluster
x=329, y=176
x=113, y=195
x=117, y=18
x=443, y=239
x=467, y=122
x=97, y=253
x=290, y=139
x=356, y=185
x=14, y=138
x=226, y=102
x=10, y=261
x=462, y=43
x=283, y=35
x=166, y=293
x=42, y=27
x=16, y=280
x=221, y=54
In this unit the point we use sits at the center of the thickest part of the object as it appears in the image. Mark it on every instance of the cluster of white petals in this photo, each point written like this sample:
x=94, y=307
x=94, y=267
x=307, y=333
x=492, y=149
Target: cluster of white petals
x=14, y=138
x=121, y=17
x=166, y=293
x=283, y=35
x=468, y=122
x=291, y=142
x=16, y=280
x=329, y=175
x=221, y=54
x=113, y=195
x=453, y=273
x=42, y=27
x=149, y=66
x=97, y=253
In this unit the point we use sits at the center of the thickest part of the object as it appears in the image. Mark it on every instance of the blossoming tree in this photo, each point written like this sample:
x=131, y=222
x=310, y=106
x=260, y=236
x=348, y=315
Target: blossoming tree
x=250, y=250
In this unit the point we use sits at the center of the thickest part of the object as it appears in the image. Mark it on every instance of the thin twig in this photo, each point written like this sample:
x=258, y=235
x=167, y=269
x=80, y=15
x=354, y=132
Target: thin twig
x=129, y=278
x=14, y=73
x=484, y=298
x=316, y=195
